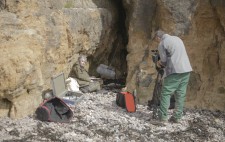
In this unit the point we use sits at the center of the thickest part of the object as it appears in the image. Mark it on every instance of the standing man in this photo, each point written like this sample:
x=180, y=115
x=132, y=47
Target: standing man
x=177, y=68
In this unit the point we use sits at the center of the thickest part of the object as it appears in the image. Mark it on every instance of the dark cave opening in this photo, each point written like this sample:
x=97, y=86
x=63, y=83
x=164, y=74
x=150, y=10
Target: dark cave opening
x=114, y=53
x=117, y=57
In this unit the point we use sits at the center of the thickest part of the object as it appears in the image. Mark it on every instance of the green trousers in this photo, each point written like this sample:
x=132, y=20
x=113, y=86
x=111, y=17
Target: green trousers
x=173, y=84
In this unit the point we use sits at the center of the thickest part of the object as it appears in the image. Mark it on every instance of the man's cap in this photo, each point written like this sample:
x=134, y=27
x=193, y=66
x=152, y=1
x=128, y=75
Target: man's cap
x=159, y=34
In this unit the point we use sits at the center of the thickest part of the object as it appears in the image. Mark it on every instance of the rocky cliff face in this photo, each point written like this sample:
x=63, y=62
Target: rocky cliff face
x=200, y=23
x=40, y=39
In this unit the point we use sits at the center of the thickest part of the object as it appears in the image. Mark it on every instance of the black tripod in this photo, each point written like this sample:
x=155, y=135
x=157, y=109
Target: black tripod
x=155, y=102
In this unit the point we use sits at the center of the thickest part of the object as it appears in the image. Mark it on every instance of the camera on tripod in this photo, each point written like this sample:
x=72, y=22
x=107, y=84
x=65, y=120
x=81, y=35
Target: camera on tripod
x=155, y=59
x=155, y=56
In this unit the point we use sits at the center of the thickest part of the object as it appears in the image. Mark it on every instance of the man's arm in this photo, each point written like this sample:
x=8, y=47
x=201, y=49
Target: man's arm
x=163, y=57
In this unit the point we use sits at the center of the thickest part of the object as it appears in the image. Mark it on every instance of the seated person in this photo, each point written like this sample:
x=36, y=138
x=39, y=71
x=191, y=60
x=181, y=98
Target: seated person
x=79, y=73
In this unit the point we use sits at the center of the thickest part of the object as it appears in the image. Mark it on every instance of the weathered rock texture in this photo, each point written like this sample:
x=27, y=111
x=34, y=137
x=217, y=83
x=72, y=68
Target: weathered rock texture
x=200, y=23
x=39, y=39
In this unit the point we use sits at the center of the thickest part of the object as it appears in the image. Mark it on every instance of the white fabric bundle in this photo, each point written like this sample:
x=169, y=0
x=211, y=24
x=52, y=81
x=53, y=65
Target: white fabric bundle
x=72, y=85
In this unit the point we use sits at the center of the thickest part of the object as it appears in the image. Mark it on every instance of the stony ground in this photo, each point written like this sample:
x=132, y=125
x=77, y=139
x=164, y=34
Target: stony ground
x=98, y=119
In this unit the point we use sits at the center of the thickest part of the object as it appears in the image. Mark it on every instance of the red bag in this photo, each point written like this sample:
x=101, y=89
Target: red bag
x=126, y=100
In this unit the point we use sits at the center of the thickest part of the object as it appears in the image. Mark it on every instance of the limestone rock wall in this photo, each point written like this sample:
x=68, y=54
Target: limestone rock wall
x=200, y=23
x=40, y=39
